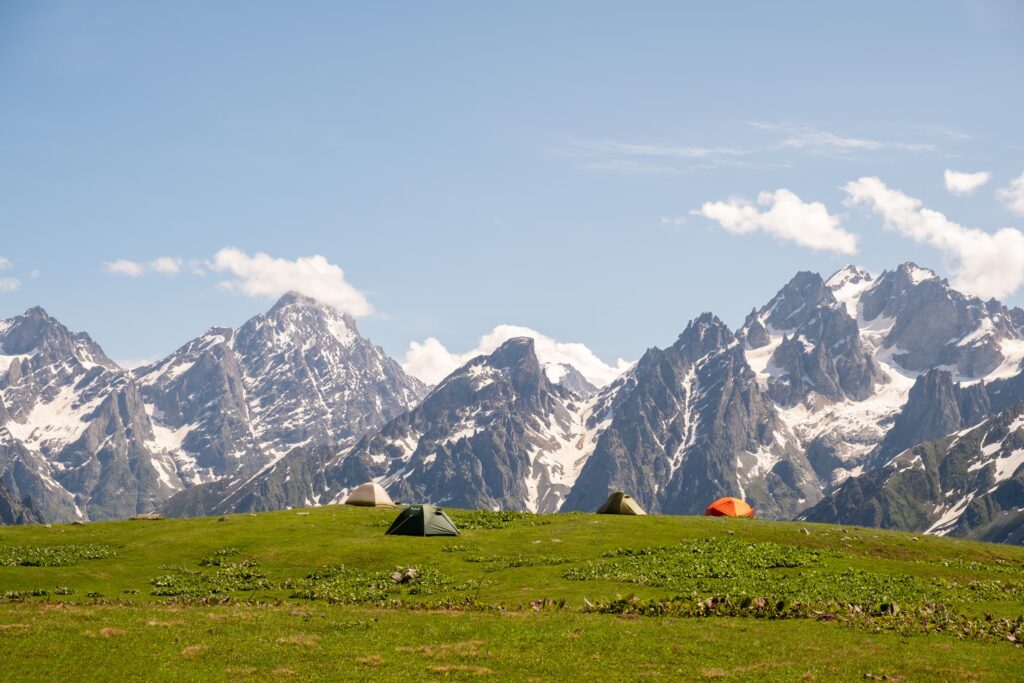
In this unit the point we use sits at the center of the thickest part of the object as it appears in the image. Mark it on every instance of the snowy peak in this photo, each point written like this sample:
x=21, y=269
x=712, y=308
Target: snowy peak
x=925, y=323
x=297, y=320
x=967, y=483
x=86, y=439
x=511, y=370
x=797, y=302
x=569, y=377
x=72, y=431
x=183, y=358
x=35, y=332
x=688, y=424
x=494, y=433
x=293, y=298
x=848, y=275
x=847, y=285
x=914, y=274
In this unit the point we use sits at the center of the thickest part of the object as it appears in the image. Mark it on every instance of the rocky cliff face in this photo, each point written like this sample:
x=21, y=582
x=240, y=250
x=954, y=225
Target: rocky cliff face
x=812, y=346
x=807, y=393
x=14, y=511
x=497, y=433
x=933, y=325
x=831, y=388
x=299, y=375
x=85, y=439
x=73, y=434
x=839, y=358
x=690, y=424
x=970, y=483
x=935, y=407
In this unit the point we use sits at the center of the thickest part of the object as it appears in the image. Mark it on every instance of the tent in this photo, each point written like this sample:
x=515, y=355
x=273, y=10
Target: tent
x=422, y=520
x=729, y=507
x=370, y=495
x=620, y=503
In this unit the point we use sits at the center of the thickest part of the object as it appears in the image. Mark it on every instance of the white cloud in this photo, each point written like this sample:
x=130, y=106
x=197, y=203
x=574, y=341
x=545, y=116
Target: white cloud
x=662, y=150
x=35, y=272
x=673, y=221
x=959, y=183
x=168, y=265
x=822, y=139
x=431, y=362
x=825, y=142
x=787, y=218
x=652, y=158
x=124, y=267
x=1013, y=195
x=987, y=264
x=8, y=284
x=629, y=166
x=262, y=275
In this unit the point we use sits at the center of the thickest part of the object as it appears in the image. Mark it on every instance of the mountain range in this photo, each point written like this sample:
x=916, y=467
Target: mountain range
x=891, y=400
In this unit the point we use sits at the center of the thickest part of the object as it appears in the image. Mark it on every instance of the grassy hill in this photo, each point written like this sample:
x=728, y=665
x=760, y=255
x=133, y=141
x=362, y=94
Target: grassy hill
x=309, y=595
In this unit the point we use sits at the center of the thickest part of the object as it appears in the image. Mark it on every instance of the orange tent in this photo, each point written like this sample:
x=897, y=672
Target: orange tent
x=729, y=507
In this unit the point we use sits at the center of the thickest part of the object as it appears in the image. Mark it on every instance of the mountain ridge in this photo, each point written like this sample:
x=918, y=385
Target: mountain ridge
x=828, y=383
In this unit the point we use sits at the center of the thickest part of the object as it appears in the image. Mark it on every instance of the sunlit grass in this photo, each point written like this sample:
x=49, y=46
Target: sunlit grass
x=326, y=594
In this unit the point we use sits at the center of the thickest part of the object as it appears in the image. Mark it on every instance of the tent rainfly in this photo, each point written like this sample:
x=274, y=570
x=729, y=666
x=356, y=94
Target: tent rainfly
x=620, y=503
x=729, y=507
x=422, y=520
x=370, y=494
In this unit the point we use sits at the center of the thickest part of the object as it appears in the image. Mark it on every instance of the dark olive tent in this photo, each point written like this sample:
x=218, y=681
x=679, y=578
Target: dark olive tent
x=422, y=520
x=620, y=503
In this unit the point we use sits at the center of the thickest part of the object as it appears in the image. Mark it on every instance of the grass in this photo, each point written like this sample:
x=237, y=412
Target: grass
x=326, y=596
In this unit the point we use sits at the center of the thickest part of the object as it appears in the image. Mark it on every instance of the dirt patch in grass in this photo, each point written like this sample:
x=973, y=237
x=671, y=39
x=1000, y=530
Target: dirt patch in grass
x=741, y=670
x=468, y=648
x=307, y=641
x=370, y=660
x=164, y=624
x=194, y=650
x=111, y=632
x=447, y=669
x=14, y=627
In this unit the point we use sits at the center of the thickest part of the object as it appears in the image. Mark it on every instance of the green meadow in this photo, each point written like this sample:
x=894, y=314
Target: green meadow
x=323, y=594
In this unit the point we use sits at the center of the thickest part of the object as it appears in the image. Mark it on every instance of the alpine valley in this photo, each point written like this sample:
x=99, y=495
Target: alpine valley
x=890, y=400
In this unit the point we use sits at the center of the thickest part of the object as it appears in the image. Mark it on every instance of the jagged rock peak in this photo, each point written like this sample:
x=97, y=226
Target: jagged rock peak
x=569, y=377
x=35, y=331
x=704, y=334
x=915, y=274
x=292, y=298
x=848, y=275
x=300, y=316
x=513, y=353
x=797, y=302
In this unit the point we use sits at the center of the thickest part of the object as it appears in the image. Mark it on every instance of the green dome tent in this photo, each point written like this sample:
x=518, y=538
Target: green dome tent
x=422, y=520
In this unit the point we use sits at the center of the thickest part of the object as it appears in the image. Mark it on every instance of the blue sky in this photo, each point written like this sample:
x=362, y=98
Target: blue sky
x=475, y=164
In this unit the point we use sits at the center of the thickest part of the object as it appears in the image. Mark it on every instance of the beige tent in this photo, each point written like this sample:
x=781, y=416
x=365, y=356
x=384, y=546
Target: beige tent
x=370, y=495
x=620, y=503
